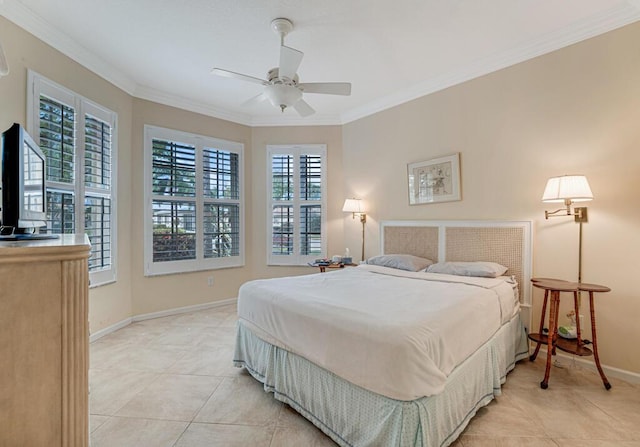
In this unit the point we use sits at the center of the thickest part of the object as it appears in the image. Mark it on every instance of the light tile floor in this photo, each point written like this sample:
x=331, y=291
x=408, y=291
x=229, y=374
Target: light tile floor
x=170, y=382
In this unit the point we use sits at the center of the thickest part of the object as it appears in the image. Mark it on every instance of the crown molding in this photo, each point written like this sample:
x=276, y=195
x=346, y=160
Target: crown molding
x=22, y=16
x=293, y=120
x=180, y=102
x=617, y=17
x=161, y=97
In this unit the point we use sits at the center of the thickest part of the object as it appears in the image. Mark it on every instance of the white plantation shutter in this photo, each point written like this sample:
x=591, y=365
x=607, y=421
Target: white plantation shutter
x=57, y=139
x=97, y=191
x=221, y=184
x=174, y=200
x=311, y=194
x=194, y=194
x=296, y=196
x=78, y=139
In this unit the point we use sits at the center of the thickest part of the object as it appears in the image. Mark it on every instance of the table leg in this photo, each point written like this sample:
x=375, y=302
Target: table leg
x=577, y=311
x=606, y=383
x=553, y=330
x=533, y=356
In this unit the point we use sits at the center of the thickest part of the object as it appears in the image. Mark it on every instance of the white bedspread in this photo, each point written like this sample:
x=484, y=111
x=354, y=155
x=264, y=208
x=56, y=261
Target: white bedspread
x=399, y=334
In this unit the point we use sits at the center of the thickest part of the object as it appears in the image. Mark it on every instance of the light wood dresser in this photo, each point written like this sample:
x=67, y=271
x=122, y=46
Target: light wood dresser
x=44, y=342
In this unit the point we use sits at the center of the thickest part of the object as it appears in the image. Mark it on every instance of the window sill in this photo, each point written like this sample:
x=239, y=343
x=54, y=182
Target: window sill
x=156, y=271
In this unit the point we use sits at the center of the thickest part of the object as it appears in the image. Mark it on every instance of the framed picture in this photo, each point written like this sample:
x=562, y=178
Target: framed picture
x=435, y=180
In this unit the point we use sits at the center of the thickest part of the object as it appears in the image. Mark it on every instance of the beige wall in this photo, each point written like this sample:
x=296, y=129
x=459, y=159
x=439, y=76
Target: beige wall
x=573, y=111
x=112, y=303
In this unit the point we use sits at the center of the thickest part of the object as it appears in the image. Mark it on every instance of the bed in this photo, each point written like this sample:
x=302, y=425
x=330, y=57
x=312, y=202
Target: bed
x=376, y=356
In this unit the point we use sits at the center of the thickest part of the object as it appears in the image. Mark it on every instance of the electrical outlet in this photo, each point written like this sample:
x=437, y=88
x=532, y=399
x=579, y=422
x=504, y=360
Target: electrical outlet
x=210, y=281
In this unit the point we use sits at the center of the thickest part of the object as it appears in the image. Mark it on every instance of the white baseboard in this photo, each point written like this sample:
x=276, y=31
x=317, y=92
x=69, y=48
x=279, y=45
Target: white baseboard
x=183, y=310
x=163, y=313
x=588, y=363
x=109, y=329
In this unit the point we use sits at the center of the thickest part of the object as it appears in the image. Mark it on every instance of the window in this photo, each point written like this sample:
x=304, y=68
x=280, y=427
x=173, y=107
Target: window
x=78, y=138
x=296, y=197
x=195, y=213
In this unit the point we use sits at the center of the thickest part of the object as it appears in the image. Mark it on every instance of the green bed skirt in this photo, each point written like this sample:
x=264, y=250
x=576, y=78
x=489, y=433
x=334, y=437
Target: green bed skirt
x=355, y=417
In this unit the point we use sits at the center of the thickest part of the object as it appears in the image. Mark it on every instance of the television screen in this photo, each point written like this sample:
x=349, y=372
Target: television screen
x=24, y=203
x=33, y=192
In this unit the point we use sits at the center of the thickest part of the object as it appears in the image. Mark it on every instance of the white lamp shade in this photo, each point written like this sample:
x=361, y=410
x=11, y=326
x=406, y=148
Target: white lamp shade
x=282, y=95
x=567, y=187
x=353, y=206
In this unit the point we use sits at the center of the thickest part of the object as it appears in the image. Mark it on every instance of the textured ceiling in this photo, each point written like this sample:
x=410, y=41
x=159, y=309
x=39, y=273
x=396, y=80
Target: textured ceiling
x=391, y=51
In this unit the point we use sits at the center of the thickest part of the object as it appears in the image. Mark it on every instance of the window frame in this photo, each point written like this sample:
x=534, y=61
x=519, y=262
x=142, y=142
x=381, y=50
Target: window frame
x=200, y=142
x=296, y=150
x=39, y=85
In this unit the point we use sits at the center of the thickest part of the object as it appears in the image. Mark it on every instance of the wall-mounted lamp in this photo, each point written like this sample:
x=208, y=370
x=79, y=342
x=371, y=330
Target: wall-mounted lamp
x=568, y=189
x=356, y=207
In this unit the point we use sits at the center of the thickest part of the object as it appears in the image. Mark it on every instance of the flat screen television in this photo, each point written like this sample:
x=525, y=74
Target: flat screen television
x=24, y=199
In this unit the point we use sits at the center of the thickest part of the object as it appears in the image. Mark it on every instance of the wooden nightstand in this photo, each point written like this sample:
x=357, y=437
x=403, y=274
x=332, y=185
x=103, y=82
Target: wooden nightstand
x=554, y=287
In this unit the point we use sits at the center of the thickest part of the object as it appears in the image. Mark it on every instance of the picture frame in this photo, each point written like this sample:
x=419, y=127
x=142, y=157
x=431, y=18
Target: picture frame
x=435, y=180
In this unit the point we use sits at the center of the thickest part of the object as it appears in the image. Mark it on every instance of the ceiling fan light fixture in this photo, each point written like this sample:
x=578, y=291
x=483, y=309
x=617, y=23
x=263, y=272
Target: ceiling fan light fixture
x=282, y=87
x=282, y=95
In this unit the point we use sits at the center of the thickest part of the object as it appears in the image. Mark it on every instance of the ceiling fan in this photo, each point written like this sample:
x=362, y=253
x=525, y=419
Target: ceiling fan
x=282, y=88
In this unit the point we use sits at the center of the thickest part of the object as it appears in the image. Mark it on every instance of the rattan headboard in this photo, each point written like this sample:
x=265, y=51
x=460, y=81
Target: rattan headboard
x=505, y=242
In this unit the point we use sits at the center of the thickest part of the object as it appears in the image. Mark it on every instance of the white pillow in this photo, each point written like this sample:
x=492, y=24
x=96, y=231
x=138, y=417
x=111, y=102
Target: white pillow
x=401, y=262
x=483, y=269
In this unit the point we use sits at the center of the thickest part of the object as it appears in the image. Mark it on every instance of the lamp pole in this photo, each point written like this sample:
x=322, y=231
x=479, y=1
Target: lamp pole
x=363, y=220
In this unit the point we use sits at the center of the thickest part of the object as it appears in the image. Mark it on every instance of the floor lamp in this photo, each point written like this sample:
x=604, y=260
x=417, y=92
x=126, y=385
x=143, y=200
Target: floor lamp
x=356, y=207
x=568, y=189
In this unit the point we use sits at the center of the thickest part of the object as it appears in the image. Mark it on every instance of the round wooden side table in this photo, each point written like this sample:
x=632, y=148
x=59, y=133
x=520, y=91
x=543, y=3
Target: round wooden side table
x=552, y=288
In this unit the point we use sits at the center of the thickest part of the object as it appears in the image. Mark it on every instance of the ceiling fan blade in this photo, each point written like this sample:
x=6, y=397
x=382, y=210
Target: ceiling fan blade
x=303, y=108
x=233, y=75
x=327, y=88
x=254, y=100
x=289, y=62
